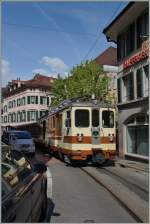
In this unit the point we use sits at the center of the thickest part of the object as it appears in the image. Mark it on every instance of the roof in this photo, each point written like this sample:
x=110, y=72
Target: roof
x=38, y=81
x=108, y=57
x=125, y=18
x=118, y=17
x=76, y=102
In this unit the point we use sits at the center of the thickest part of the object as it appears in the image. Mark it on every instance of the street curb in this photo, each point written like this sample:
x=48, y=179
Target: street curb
x=131, y=200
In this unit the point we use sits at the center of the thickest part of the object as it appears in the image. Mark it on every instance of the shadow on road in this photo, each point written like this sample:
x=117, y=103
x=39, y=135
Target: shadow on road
x=50, y=209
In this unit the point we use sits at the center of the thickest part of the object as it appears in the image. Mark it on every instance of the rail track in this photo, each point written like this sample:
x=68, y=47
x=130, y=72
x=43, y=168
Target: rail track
x=142, y=192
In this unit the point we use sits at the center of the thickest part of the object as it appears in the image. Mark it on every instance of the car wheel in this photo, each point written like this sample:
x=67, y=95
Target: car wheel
x=44, y=206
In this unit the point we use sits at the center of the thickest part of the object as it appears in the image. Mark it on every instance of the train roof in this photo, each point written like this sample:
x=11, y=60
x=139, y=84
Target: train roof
x=76, y=102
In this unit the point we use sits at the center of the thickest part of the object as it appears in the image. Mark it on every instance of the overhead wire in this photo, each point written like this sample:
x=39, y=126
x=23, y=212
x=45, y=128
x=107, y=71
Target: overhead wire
x=100, y=34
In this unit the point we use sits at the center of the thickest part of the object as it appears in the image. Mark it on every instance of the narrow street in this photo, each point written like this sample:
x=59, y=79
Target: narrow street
x=76, y=197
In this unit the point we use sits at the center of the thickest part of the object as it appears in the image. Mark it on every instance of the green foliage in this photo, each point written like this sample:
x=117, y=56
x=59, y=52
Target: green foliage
x=84, y=80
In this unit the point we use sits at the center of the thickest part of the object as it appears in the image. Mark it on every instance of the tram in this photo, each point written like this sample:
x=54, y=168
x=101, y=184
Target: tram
x=81, y=130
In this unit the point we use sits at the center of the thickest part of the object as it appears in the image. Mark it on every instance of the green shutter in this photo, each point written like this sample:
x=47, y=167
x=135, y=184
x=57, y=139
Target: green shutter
x=36, y=99
x=28, y=99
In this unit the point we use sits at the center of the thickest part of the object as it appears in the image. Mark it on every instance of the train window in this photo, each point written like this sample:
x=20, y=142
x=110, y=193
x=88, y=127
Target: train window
x=108, y=119
x=82, y=118
x=95, y=118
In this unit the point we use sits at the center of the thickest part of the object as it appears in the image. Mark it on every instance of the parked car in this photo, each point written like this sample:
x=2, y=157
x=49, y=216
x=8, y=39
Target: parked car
x=24, y=188
x=19, y=140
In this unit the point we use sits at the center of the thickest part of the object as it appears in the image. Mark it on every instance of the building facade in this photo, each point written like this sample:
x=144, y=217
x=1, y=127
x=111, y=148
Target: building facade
x=130, y=31
x=23, y=102
x=108, y=61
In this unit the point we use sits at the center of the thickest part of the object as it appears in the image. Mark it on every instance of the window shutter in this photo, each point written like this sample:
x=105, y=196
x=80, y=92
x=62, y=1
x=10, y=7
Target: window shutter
x=36, y=99
x=28, y=99
x=48, y=101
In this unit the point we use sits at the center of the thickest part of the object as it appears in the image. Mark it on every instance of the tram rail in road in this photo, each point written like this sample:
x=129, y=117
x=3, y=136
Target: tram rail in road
x=124, y=191
x=135, y=205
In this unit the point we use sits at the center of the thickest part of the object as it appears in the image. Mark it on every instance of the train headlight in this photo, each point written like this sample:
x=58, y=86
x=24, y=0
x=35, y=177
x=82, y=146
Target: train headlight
x=111, y=137
x=79, y=137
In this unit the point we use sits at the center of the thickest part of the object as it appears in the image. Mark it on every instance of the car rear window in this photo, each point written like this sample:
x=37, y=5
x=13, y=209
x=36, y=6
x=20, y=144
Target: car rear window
x=23, y=135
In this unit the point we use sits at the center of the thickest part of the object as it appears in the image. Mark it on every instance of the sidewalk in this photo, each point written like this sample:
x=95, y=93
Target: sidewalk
x=132, y=164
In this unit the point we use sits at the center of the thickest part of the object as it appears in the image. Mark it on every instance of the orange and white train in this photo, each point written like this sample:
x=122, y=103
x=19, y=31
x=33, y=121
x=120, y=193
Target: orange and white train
x=81, y=130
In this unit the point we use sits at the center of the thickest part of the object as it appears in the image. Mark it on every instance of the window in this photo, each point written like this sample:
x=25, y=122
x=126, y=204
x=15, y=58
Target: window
x=23, y=116
x=23, y=101
x=18, y=102
x=43, y=100
x=108, y=119
x=121, y=47
x=126, y=42
x=129, y=86
x=5, y=119
x=32, y=115
x=82, y=118
x=130, y=39
x=42, y=113
x=18, y=116
x=119, y=90
x=14, y=117
x=15, y=168
x=14, y=103
x=142, y=29
x=5, y=108
x=9, y=118
x=146, y=71
x=95, y=118
x=10, y=104
x=32, y=99
x=139, y=83
x=68, y=119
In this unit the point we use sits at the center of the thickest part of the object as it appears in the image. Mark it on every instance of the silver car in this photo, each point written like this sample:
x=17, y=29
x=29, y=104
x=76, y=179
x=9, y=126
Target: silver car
x=24, y=188
x=19, y=140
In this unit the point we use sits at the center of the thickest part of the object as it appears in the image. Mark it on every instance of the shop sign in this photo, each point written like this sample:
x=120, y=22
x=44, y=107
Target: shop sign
x=138, y=56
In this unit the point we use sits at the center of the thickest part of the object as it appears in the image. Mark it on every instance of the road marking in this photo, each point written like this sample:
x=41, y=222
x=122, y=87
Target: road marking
x=49, y=183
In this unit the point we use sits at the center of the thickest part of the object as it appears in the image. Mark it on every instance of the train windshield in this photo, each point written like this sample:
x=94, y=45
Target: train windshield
x=82, y=118
x=95, y=118
x=108, y=119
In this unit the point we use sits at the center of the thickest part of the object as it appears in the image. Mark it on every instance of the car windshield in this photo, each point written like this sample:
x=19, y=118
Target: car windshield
x=23, y=135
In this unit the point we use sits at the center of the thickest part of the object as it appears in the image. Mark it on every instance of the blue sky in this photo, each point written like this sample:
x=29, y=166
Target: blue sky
x=52, y=37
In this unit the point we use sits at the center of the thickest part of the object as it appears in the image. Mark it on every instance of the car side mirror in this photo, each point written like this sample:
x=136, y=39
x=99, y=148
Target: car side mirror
x=40, y=167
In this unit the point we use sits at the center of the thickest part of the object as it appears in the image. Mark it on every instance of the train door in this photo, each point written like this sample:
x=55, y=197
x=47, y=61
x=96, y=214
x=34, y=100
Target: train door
x=95, y=128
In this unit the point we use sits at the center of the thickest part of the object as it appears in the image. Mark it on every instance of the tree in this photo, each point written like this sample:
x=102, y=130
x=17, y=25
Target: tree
x=85, y=79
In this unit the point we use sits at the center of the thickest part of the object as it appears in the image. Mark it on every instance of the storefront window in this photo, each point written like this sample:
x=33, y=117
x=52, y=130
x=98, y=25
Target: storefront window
x=137, y=140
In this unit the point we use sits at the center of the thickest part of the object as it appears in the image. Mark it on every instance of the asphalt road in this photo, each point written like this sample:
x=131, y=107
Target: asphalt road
x=77, y=198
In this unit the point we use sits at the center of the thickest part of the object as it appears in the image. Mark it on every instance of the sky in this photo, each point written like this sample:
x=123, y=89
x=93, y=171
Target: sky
x=52, y=37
